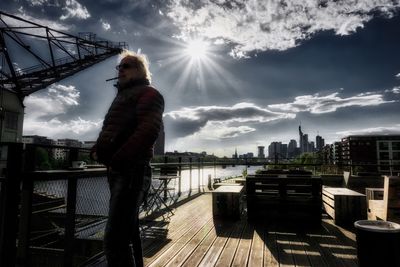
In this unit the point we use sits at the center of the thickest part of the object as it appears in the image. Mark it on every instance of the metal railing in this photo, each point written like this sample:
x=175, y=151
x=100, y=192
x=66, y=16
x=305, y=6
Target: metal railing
x=54, y=216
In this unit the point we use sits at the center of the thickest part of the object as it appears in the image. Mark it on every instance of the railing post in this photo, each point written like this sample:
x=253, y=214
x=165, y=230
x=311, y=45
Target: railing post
x=73, y=155
x=180, y=176
x=10, y=197
x=26, y=207
x=198, y=175
x=165, y=194
x=215, y=169
x=70, y=222
x=190, y=175
x=25, y=222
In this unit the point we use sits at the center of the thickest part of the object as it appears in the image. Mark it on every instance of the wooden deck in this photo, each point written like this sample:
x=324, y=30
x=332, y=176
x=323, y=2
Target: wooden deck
x=193, y=238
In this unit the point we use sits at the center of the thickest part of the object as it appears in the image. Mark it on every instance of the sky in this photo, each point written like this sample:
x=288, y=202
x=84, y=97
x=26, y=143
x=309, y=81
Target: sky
x=234, y=74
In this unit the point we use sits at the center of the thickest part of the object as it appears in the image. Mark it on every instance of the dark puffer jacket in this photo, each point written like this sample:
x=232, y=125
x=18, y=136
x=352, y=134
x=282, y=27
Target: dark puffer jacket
x=131, y=126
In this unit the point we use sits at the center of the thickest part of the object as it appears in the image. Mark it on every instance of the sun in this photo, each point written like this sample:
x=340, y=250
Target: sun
x=196, y=49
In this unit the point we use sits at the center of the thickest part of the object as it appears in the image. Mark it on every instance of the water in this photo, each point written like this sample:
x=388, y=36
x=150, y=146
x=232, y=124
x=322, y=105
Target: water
x=201, y=177
x=93, y=193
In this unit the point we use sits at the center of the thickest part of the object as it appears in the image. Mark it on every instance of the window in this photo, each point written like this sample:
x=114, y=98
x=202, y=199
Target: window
x=383, y=146
x=396, y=166
x=383, y=155
x=396, y=146
x=384, y=166
x=11, y=120
x=396, y=156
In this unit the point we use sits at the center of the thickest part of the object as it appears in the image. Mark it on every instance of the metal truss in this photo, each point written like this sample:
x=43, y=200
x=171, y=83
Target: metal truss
x=51, y=55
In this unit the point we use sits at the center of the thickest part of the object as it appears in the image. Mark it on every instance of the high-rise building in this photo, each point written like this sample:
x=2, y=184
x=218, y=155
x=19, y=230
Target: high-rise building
x=284, y=151
x=305, y=143
x=292, y=149
x=337, y=155
x=261, y=154
x=320, y=142
x=277, y=150
x=301, y=140
x=311, y=147
x=326, y=154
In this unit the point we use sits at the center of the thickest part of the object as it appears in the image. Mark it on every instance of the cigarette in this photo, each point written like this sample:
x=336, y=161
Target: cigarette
x=111, y=79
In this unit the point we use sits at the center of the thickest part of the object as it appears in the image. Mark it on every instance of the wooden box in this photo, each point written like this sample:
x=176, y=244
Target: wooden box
x=278, y=198
x=391, y=198
x=345, y=206
x=226, y=201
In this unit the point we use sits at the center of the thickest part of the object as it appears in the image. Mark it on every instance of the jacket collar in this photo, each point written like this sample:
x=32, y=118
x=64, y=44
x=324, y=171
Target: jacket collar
x=132, y=83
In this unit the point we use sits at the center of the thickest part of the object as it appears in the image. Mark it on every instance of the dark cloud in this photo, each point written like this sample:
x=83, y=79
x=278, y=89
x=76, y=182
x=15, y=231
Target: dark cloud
x=188, y=121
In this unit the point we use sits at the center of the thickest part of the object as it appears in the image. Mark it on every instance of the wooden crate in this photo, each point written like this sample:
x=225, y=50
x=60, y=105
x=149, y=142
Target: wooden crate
x=226, y=201
x=376, y=210
x=296, y=198
x=345, y=206
x=391, y=198
x=375, y=203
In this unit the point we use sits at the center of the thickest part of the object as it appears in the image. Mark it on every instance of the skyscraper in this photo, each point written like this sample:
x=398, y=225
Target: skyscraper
x=320, y=142
x=301, y=139
x=292, y=149
x=261, y=154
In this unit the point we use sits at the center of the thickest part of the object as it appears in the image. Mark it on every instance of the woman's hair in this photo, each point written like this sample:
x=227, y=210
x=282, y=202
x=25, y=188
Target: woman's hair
x=142, y=63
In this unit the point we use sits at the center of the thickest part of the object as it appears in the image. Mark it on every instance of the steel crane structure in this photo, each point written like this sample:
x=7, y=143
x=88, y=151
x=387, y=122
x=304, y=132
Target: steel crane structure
x=34, y=56
x=67, y=54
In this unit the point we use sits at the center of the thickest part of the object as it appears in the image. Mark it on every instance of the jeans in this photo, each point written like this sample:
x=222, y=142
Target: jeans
x=128, y=189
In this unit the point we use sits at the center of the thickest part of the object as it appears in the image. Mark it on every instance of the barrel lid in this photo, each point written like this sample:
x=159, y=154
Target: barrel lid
x=378, y=226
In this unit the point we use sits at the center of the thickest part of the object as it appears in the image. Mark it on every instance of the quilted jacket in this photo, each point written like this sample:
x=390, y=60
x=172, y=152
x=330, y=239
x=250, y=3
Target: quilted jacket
x=131, y=126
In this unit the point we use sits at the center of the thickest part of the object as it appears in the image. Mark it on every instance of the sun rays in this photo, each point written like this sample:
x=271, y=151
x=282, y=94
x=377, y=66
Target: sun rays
x=200, y=65
x=197, y=49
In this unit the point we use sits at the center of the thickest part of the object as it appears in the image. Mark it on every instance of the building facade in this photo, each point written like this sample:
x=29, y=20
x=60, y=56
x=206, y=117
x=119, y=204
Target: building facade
x=320, y=142
x=261, y=154
x=11, y=116
x=379, y=153
x=62, y=154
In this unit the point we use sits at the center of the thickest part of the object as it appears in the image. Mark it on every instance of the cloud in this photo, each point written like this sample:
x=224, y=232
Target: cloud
x=221, y=130
x=57, y=129
x=272, y=25
x=382, y=130
x=106, y=26
x=219, y=121
x=395, y=90
x=21, y=13
x=43, y=112
x=38, y=2
x=74, y=9
x=397, y=76
x=324, y=104
x=55, y=101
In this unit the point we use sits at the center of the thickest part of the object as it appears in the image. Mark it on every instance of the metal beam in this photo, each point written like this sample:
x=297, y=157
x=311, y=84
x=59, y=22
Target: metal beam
x=89, y=51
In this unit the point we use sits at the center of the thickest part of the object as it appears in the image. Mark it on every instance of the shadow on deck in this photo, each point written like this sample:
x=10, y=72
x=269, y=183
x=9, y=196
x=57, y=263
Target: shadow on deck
x=193, y=238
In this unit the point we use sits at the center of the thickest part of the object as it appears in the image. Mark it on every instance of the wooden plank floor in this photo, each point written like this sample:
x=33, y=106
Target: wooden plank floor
x=193, y=238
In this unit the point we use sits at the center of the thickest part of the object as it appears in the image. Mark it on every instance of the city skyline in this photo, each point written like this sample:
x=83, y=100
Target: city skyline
x=261, y=150
x=233, y=74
